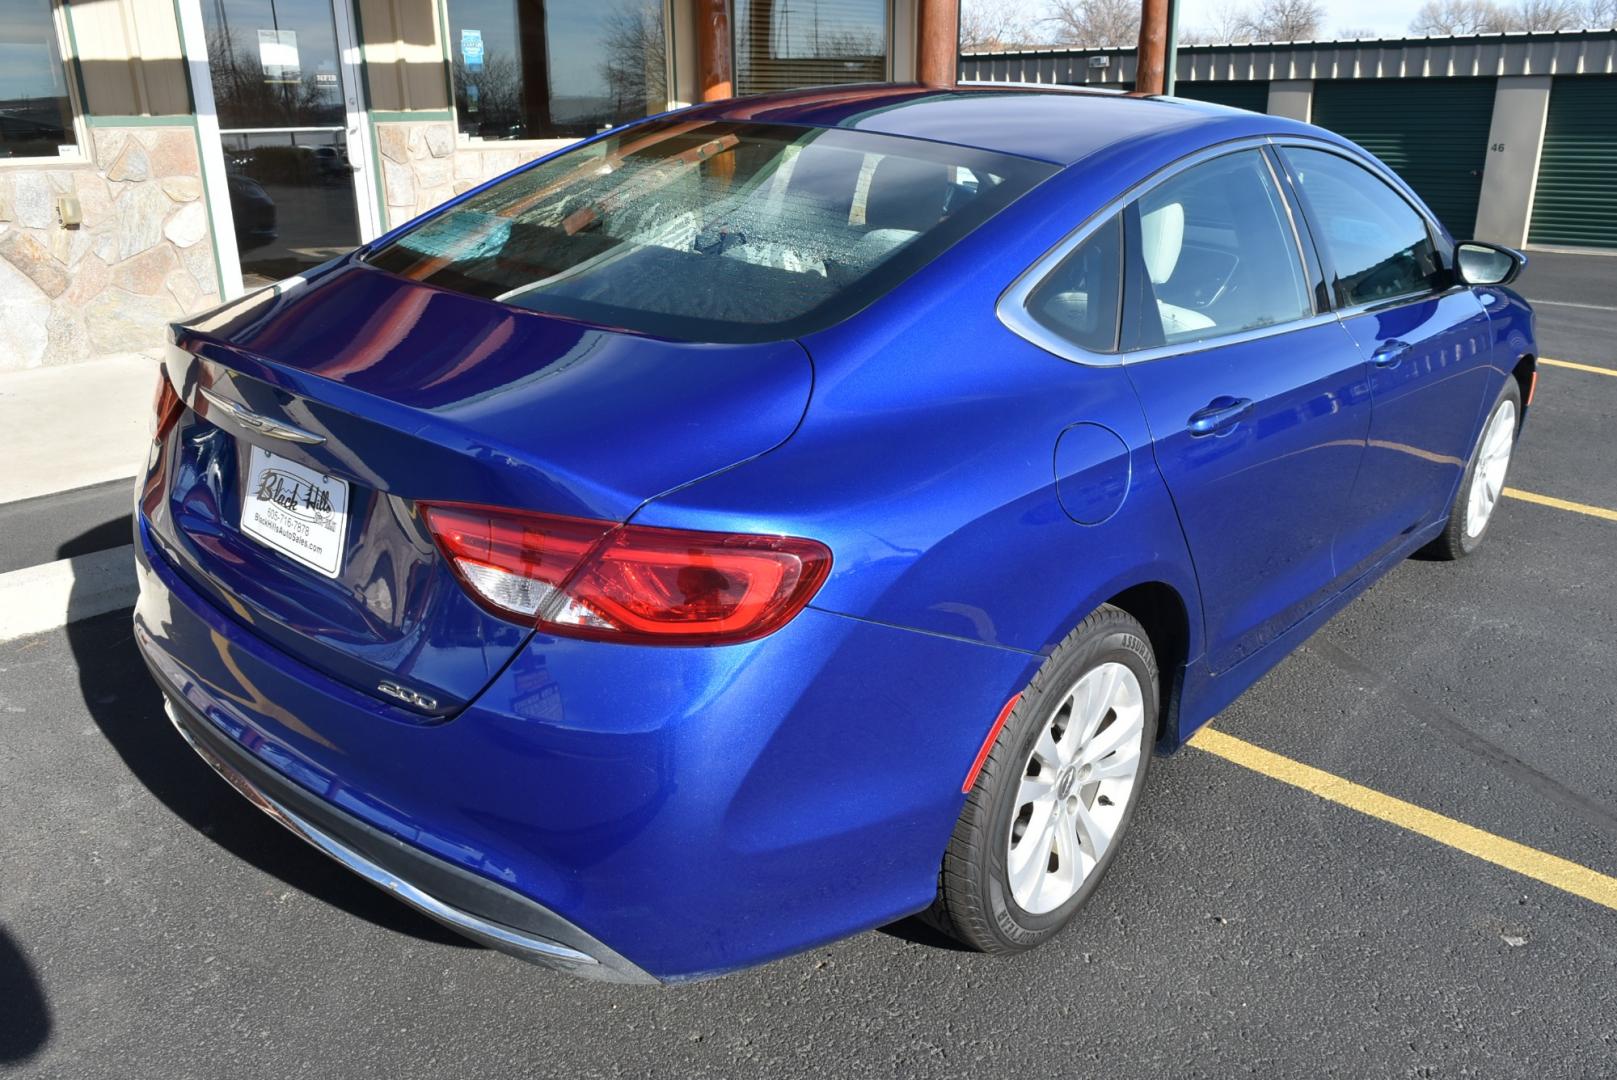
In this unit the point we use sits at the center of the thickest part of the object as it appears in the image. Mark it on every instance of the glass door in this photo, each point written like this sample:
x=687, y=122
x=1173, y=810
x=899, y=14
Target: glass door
x=285, y=93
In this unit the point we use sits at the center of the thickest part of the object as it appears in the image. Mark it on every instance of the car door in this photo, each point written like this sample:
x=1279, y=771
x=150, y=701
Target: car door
x=1425, y=336
x=1255, y=394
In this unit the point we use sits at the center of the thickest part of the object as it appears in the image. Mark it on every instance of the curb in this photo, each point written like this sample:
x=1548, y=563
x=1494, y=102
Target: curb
x=54, y=594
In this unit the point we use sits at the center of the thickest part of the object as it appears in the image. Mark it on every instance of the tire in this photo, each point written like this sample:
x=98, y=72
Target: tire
x=993, y=895
x=1484, y=478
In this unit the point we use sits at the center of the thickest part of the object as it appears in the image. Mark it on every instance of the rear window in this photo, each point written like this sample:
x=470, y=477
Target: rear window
x=712, y=231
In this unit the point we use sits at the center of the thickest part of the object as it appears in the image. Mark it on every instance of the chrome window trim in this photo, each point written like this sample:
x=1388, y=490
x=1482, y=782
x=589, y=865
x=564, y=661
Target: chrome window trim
x=1287, y=195
x=1012, y=305
x=1012, y=311
x=1239, y=337
x=1391, y=302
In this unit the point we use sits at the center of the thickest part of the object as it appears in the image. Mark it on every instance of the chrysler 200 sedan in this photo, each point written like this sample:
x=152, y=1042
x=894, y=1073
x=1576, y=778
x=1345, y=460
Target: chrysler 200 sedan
x=772, y=519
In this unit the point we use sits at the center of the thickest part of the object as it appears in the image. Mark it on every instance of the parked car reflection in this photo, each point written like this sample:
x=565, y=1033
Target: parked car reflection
x=253, y=211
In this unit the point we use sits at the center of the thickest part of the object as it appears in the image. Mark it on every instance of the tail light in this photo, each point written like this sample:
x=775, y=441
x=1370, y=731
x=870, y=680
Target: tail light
x=630, y=583
x=166, y=407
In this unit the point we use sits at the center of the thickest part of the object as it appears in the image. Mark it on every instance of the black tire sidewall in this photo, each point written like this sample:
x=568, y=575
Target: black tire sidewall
x=1120, y=643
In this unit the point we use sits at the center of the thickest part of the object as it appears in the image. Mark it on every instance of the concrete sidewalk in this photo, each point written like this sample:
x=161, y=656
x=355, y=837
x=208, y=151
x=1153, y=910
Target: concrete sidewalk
x=71, y=426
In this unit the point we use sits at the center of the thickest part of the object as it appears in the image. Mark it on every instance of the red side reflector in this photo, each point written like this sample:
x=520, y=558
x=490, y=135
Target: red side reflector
x=988, y=743
x=1532, y=388
x=582, y=578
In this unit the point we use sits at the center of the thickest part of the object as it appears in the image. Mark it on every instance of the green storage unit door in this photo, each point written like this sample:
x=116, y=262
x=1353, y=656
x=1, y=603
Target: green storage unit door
x=1576, y=199
x=1253, y=96
x=1432, y=132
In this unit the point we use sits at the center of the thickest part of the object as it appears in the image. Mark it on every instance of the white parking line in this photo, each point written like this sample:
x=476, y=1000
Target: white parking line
x=1568, y=303
x=50, y=595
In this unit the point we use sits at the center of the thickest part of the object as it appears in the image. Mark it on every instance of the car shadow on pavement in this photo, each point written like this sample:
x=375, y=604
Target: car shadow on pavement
x=127, y=706
x=918, y=931
x=25, y=1015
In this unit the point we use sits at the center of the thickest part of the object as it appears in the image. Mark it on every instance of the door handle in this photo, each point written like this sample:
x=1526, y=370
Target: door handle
x=1390, y=353
x=1220, y=413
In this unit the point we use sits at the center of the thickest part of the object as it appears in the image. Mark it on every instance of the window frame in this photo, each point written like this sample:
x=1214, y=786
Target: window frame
x=70, y=75
x=1012, y=305
x=1442, y=243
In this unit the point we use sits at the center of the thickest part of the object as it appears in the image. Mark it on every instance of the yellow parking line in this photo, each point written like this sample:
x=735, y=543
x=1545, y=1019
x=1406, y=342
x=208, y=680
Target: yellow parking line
x=1579, y=367
x=1560, y=504
x=1530, y=862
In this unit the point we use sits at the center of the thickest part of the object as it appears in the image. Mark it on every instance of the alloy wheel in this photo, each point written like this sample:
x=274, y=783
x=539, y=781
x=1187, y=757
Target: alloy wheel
x=1075, y=788
x=1493, y=461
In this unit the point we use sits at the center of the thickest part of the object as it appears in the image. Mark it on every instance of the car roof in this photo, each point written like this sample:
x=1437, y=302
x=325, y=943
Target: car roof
x=1055, y=124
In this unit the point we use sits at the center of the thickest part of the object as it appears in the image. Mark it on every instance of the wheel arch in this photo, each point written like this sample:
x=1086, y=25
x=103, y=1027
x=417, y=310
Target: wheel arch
x=1162, y=611
x=1525, y=372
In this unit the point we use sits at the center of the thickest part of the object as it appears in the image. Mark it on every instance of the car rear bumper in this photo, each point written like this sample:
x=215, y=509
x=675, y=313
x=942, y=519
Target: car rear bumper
x=483, y=911
x=667, y=813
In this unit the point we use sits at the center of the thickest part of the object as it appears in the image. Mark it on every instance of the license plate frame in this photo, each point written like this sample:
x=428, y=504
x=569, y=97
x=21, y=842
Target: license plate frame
x=295, y=511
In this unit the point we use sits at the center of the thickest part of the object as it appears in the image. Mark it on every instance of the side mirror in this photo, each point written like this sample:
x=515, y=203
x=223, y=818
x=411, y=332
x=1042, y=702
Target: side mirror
x=1487, y=264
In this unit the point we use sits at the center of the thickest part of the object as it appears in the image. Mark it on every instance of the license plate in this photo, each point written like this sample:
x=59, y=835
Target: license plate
x=301, y=513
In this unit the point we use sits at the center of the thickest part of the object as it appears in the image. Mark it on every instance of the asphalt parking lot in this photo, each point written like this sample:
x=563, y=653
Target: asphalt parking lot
x=152, y=924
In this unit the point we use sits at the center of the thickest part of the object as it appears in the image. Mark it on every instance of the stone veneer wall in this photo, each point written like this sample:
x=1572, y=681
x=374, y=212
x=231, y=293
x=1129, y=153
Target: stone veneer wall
x=142, y=256
x=424, y=163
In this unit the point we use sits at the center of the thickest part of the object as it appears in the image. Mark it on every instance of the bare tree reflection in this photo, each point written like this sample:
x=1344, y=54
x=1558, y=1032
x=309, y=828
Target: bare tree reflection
x=514, y=91
x=247, y=96
x=634, y=70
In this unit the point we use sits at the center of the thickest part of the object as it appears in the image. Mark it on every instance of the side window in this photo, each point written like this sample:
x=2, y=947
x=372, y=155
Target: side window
x=1379, y=244
x=1217, y=255
x=1078, y=300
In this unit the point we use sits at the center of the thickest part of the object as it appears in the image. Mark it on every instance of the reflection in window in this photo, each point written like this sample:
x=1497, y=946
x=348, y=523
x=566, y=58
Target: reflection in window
x=1379, y=244
x=273, y=64
x=782, y=44
x=712, y=232
x=36, y=118
x=531, y=69
x=1079, y=300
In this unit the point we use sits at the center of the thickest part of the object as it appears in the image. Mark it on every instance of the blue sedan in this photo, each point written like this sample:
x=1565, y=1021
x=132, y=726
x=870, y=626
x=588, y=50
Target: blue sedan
x=773, y=519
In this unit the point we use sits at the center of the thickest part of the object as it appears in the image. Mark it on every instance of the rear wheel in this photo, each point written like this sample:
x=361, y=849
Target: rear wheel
x=1484, y=478
x=1043, y=821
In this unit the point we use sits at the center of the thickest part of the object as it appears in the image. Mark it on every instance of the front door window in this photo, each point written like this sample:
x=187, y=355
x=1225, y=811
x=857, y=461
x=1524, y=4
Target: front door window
x=277, y=84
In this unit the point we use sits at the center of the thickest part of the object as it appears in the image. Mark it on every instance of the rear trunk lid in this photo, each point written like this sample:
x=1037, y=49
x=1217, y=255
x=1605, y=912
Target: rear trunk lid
x=350, y=399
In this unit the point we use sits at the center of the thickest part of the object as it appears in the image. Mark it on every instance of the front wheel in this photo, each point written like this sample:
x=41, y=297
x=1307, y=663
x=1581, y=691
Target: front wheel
x=1484, y=482
x=1042, y=823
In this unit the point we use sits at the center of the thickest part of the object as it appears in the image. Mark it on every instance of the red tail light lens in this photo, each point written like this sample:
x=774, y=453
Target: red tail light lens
x=630, y=583
x=166, y=407
x=514, y=564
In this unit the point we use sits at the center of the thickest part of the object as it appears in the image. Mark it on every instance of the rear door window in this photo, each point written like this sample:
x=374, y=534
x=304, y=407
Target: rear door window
x=712, y=231
x=1379, y=245
x=1217, y=255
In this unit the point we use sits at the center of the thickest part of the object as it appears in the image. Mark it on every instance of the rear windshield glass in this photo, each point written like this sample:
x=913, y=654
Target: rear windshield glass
x=712, y=231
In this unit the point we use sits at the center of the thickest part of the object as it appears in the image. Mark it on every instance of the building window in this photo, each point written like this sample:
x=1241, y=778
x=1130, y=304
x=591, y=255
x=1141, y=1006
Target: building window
x=36, y=112
x=532, y=69
x=782, y=44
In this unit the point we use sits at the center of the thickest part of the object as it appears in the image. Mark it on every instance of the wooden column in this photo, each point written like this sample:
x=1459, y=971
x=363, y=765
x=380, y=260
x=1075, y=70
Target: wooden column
x=937, y=42
x=1149, y=72
x=713, y=79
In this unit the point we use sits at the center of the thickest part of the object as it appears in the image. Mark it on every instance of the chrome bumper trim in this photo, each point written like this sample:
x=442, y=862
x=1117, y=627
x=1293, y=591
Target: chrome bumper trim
x=493, y=934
